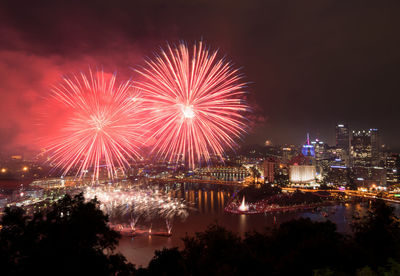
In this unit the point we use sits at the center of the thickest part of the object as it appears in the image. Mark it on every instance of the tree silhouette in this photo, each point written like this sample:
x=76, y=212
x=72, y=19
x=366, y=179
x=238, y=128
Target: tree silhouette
x=69, y=238
x=378, y=234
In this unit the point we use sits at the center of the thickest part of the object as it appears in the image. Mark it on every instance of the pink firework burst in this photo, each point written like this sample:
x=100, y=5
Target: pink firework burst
x=195, y=103
x=101, y=128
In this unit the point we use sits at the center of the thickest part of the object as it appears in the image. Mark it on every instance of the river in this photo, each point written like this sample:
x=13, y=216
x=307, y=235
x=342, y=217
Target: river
x=207, y=202
x=206, y=206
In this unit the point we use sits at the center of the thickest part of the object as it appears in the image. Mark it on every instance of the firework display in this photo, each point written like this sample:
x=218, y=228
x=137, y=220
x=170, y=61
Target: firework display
x=194, y=104
x=102, y=128
x=187, y=107
x=133, y=204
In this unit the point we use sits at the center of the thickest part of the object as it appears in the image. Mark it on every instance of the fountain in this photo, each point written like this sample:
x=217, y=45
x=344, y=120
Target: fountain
x=243, y=207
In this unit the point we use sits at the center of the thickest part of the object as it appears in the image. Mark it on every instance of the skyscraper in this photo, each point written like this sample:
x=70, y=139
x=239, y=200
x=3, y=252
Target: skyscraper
x=308, y=148
x=375, y=147
x=391, y=164
x=319, y=149
x=361, y=148
x=269, y=169
x=343, y=141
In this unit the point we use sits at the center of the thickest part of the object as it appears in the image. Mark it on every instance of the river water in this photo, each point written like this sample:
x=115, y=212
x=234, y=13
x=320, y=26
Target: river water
x=206, y=206
x=207, y=203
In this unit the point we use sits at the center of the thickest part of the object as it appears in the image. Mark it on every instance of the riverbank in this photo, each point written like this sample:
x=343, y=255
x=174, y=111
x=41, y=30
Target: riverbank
x=235, y=209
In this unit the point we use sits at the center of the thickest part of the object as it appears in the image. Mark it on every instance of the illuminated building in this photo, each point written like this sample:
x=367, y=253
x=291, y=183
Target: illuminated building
x=342, y=134
x=319, y=149
x=378, y=176
x=320, y=155
x=308, y=148
x=369, y=176
x=375, y=146
x=338, y=175
x=302, y=170
x=365, y=148
x=223, y=173
x=302, y=174
x=287, y=154
x=269, y=169
x=391, y=163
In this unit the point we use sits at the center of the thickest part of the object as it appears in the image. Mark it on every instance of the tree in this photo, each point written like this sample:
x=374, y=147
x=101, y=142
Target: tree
x=299, y=247
x=166, y=262
x=215, y=251
x=70, y=238
x=378, y=234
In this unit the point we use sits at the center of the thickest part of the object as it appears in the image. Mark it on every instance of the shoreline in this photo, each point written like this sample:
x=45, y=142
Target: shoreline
x=274, y=209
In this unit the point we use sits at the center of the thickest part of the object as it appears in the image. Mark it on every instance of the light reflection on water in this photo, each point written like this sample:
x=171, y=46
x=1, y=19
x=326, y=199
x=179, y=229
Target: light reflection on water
x=207, y=204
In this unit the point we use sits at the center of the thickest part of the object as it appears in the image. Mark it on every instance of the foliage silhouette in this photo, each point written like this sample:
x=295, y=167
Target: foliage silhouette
x=69, y=238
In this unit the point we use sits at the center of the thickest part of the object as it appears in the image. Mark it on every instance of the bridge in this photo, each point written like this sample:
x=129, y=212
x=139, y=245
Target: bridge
x=203, y=181
x=386, y=197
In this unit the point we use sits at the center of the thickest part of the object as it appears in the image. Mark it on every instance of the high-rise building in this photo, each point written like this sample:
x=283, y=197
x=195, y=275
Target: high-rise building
x=269, y=169
x=361, y=148
x=391, y=163
x=320, y=156
x=366, y=148
x=342, y=134
x=319, y=149
x=308, y=148
x=375, y=146
x=287, y=153
x=370, y=176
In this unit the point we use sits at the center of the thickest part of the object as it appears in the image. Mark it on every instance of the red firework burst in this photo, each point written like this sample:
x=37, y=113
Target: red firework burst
x=194, y=104
x=101, y=128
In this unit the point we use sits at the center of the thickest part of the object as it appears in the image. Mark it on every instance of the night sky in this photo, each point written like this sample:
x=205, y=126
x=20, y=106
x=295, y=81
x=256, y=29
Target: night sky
x=309, y=64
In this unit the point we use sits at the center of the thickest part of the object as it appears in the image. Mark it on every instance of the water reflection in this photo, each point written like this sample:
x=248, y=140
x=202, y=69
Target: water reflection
x=207, y=203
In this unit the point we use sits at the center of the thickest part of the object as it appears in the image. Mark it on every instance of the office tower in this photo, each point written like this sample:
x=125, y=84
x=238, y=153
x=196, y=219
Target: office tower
x=342, y=134
x=375, y=147
x=361, y=148
x=308, y=148
x=287, y=153
x=391, y=164
x=319, y=149
x=269, y=169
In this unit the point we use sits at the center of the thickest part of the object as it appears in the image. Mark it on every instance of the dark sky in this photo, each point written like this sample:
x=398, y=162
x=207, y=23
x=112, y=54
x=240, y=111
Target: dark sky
x=310, y=63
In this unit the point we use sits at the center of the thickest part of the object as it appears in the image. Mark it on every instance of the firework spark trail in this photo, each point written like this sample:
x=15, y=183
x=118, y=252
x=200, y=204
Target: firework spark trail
x=137, y=203
x=102, y=128
x=194, y=104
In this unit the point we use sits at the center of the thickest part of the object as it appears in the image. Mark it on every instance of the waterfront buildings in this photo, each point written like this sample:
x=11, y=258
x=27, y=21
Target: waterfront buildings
x=223, y=173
